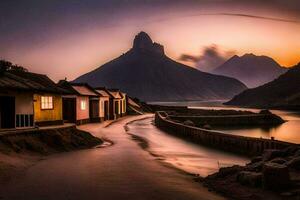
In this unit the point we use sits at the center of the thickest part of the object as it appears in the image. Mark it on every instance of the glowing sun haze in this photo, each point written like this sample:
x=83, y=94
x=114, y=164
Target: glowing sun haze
x=69, y=38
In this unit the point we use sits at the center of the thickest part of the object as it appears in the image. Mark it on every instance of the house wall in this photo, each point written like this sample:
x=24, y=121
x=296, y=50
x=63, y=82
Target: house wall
x=23, y=112
x=124, y=108
x=119, y=103
x=82, y=114
x=101, y=105
x=48, y=116
x=24, y=103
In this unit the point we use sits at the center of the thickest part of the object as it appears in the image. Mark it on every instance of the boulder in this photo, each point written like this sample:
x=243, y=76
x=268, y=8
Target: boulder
x=256, y=159
x=257, y=166
x=253, y=179
x=291, y=150
x=207, y=126
x=227, y=171
x=270, y=154
x=297, y=153
x=188, y=123
x=265, y=112
x=294, y=163
x=275, y=176
x=278, y=160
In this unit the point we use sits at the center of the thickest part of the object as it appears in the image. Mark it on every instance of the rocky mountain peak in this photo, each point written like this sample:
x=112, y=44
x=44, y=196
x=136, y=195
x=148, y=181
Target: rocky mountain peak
x=143, y=43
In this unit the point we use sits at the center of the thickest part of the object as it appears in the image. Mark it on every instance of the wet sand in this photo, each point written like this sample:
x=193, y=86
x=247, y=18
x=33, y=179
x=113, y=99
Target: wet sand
x=120, y=171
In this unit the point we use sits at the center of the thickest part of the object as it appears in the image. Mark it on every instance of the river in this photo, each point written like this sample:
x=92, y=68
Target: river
x=288, y=131
x=182, y=154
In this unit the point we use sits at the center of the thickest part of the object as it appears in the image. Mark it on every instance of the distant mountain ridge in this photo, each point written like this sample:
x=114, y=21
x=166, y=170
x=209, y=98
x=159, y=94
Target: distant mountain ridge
x=147, y=73
x=252, y=70
x=282, y=92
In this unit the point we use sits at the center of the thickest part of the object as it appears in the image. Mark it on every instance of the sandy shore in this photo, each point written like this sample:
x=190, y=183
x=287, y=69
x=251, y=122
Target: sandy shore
x=120, y=171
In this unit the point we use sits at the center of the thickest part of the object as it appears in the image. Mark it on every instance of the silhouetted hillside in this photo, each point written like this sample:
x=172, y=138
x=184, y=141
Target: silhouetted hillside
x=251, y=69
x=282, y=92
x=147, y=73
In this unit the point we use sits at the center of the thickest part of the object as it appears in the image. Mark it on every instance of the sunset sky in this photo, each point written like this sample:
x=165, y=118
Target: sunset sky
x=71, y=37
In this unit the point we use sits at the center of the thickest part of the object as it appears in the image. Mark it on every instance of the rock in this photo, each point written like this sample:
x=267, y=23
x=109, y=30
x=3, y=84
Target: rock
x=225, y=171
x=291, y=150
x=256, y=159
x=207, y=126
x=188, y=123
x=294, y=163
x=253, y=179
x=265, y=112
x=257, y=166
x=278, y=161
x=297, y=153
x=275, y=176
x=271, y=153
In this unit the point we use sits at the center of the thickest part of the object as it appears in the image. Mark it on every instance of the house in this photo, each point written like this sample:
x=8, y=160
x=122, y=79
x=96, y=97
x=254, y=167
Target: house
x=105, y=98
x=116, y=103
x=28, y=100
x=82, y=104
x=124, y=104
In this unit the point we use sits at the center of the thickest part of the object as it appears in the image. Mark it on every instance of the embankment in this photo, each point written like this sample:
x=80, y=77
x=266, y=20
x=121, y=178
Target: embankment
x=47, y=141
x=238, y=144
x=21, y=149
x=231, y=120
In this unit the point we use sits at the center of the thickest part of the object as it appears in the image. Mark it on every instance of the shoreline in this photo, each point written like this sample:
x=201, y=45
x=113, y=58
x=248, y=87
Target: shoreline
x=93, y=174
x=16, y=158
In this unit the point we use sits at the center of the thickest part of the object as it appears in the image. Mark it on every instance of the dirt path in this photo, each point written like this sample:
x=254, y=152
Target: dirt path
x=121, y=171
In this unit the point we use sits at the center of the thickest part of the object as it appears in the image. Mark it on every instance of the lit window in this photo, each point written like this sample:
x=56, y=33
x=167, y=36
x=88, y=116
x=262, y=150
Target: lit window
x=47, y=102
x=83, y=105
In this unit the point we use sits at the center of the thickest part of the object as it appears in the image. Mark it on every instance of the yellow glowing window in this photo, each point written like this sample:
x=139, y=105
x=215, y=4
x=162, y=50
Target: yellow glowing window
x=83, y=105
x=47, y=102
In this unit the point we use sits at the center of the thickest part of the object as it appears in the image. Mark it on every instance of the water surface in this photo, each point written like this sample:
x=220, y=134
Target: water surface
x=288, y=131
x=182, y=154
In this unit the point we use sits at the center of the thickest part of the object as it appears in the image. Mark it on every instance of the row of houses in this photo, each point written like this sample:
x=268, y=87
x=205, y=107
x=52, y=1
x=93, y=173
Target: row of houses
x=29, y=100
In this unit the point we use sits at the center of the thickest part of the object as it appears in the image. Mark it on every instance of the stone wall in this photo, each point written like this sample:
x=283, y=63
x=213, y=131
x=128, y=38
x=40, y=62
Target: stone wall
x=231, y=120
x=238, y=144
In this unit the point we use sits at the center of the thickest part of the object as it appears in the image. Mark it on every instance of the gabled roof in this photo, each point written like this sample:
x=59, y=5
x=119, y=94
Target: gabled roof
x=103, y=93
x=27, y=81
x=115, y=93
x=82, y=89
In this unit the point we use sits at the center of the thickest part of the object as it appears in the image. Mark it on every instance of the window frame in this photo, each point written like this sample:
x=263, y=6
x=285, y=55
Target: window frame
x=47, y=103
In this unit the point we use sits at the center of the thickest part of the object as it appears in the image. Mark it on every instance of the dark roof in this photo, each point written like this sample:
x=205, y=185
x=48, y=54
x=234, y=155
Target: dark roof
x=104, y=89
x=71, y=87
x=19, y=80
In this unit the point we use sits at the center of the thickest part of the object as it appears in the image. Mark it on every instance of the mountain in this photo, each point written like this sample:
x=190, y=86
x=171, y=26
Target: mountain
x=251, y=69
x=282, y=92
x=147, y=73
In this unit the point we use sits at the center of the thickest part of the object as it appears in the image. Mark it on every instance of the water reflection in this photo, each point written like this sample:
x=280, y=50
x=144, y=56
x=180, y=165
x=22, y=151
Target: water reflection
x=182, y=154
x=289, y=131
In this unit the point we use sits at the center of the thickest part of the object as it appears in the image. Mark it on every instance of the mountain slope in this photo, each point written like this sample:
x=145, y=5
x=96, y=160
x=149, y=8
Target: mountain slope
x=282, y=92
x=251, y=69
x=147, y=73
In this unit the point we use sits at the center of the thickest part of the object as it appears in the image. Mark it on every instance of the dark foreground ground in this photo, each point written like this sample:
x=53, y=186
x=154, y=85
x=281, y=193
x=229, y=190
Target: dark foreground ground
x=120, y=171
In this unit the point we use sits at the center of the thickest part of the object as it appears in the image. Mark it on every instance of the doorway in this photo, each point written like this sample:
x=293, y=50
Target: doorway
x=7, y=112
x=69, y=110
x=106, y=110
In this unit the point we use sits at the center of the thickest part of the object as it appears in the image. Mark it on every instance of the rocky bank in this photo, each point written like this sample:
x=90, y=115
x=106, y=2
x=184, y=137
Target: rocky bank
x=274, y=175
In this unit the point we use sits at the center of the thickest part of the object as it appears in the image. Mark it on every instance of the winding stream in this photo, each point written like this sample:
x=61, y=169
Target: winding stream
x=182, y=154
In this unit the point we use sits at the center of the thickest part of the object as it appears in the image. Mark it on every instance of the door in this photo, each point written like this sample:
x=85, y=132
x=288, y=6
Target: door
x=7, y=112
x=106, y=114
x=116, y=107
x=94, y=109
x=69, y=109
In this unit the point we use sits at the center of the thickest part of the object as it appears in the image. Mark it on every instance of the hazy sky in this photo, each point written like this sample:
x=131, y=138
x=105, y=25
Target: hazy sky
x=71, y=37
